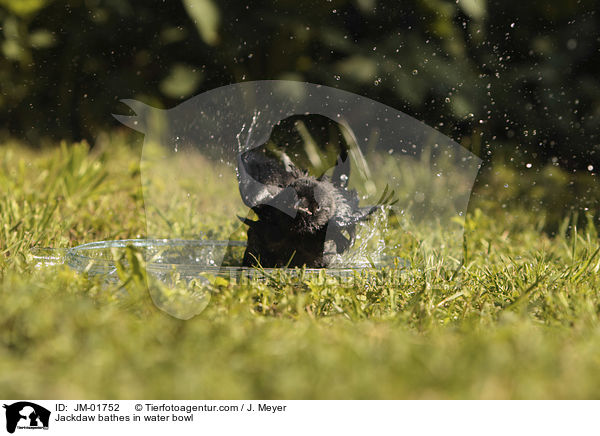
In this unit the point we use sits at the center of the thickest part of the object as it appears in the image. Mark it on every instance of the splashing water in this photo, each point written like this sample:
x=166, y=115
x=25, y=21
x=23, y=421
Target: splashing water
x=369, y=246
x=246, y=145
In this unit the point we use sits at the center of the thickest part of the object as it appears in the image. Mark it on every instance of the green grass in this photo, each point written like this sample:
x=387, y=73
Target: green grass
x=519, y=320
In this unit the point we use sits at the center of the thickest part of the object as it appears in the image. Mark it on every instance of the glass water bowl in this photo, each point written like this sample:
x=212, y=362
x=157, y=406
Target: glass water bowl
x=189, y=259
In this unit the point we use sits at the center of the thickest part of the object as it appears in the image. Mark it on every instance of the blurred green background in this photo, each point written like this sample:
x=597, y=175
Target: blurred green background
x=501, y=77
x=516, y=82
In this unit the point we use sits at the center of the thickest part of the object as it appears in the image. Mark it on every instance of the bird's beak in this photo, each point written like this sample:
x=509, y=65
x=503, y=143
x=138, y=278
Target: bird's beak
x=301, y=209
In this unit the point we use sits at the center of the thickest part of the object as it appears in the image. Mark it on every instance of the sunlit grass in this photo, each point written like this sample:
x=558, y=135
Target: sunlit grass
x=518, y=320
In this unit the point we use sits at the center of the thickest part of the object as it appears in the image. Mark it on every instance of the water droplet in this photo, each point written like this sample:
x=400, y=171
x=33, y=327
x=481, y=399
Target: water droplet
x=415, y=72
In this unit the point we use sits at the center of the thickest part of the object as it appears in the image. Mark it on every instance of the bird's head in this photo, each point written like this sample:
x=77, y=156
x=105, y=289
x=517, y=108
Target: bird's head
x=315, y=204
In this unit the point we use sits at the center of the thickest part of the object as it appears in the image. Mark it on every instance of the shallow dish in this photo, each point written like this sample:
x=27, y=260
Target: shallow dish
x=187, y=259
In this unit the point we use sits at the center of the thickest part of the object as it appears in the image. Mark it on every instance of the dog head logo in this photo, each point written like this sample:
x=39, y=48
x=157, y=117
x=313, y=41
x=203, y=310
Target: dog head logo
x=205, y=163
x=26, y=415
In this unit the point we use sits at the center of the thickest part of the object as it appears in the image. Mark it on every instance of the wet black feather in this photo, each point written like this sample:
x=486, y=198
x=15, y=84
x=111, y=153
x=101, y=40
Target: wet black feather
x=302, y=219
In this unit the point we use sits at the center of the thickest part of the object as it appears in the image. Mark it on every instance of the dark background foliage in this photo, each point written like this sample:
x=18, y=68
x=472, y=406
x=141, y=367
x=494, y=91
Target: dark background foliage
x=514, y=78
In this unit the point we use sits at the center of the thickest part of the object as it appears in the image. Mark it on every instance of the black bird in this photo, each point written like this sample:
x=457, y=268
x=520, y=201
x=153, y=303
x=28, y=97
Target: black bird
x=302, y=219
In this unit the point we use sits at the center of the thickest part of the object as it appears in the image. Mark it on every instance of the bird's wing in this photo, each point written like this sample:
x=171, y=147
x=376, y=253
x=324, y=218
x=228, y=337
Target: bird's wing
x=349, y=213
x=252, y=190
x=263, y=180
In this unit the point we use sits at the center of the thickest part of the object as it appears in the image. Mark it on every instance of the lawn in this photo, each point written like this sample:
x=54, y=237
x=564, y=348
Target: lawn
x=519, y=319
